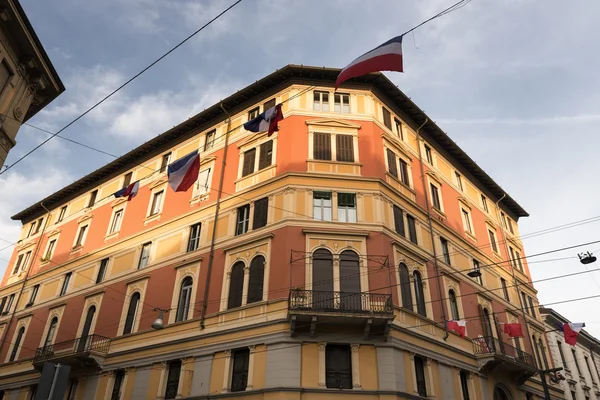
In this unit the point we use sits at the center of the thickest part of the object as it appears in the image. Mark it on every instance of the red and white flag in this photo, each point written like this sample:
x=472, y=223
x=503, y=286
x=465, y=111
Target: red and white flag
x=571, y=330
x=458, y=326
x=513, y=330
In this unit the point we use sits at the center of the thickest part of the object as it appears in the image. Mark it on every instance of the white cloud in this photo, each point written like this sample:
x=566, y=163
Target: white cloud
x=563, y=119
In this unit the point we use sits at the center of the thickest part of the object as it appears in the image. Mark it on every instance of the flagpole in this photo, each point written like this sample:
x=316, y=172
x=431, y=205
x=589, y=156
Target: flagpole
x=211, y=255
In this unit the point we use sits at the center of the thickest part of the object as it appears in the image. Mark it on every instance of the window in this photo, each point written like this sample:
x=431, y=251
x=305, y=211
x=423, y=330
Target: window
x=248, y=165
x=504, y=289
x=412, y=228
x=51, y=332
x=518, y=260
x=399, y=128
x=573, y=395
x=34, y=293
x=464, y=384
x=93, y=196
x=17, y=344
x=239, y=373
x=157, y=202
x=321, y=146
x=321, y=101
x=266, y=155
x=524, y=299
x=81, y=236
x=115, y=225
x=164, y=163
x=341, y=103
x=543, y=351
x=478, y=279
x=243, y=219
x=562, y=355
x=574, y=353
x=493, y=243
x=405, y=287
x=116, y=392
x=173, y=380
x=32, y=228
x=445, y=250
x=466, y=216
x=131, y=313
x=420, y=376
x=65, y=285
x=50, y=249
x=236, y=285
x=61, y=214
x=256, y=279
x=428, y=155
x=209, y=140
x=26, y=261
x=511, y=252
x=145, y=255
x=18, y=263
x=5, y=75
x=404, y=172
x=102, y=270
x=419, y=293
x=484, y=203
x=2, y=304
x=391, y=159
x=398, y=220
x=11, y=298
x=203, y=182
x=39, y=225
x=269, y=104
x=387, y=118
x=322, y=206
x=435, y=197
x=344, y=148
x=253, y=113
x=72, y=389
x=510, y=225
x=587, y=363
x=261, y=212
x=531, y=307
x=453, y=305
x=185, y=298
x=338, y=366
x=194, y=239
x=346, y=207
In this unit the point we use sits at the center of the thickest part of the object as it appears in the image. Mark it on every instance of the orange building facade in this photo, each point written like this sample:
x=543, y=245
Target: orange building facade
x=320, y=262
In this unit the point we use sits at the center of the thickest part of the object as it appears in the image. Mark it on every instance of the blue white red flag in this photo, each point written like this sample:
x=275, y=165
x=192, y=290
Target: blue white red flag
x=266, y=122
x=571, y=330
x=183, y=173
x=129, y=191
x=386, y=57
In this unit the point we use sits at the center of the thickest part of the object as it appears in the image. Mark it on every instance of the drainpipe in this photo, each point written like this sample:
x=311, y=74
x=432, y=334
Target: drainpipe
x=211, y=255
x=32, y=260
x=435, y=260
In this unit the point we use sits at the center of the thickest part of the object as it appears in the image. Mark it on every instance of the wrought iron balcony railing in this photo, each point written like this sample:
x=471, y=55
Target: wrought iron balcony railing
x=489, y=345
x=341, y=302
x=96, y=344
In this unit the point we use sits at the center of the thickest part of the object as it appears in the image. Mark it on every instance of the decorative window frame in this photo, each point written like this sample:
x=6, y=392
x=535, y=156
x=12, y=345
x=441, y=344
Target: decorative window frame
x=22, y=268
x=92, y=300
x=205, y=163
x=428, y=372
x=83, y=221
x=228, y=370
x=433, y=154
x=119, y=205
x=400, y=154
x=333, y=127
x=137, y=285
x=451, y=282
x=54, y=235
x=354, y=362
x=21, y=323
x=157, y=186
x=56, y=311
x=191, y=270
x=440, y=250
x=434, y=179
x=491, y=227
x=486, y=303
x=254, y=142
x=107, y=271
x=464, y=204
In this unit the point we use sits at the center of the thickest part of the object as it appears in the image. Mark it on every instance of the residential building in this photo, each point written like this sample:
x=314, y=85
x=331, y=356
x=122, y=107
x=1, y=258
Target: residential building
x=580, y=362
x=316, y=276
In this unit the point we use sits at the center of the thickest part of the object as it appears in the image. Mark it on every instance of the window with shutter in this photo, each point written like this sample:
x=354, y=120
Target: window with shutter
x=322, y=146
x=256, y=279
x=391, y=161
x=387, y=118
x=399, y=220
x=445, y=250
x=2, y=304
x=453, y=305
x=338, y=366
x=248, y=166
x=269, y=104
x=17, y=344
x=243, y=219
x=194, y=239
x=185, y=296
x=261, y=210
x=144, y=256
x=127, y=179
x=173, y=380
x=344, y=148
x=131, y=312
x=464, y=384
x=412, y=228
x=203, y=182
x=419, y=293
x=322, y=274
x=504, y=289
x=322, y=206
x=239, y=375
x=266, y=155
x=350, y=281
x=102, y=270
x=405, y=287
x=116, y=392
x=321, y=101
x=209, y=140
x=404, y=172
x=253, y=113
x=435, y=196
x=347, y=207
x=399, y=128
x=166, y=158
x=94, y=194
x=420, y=376
x=236, y=285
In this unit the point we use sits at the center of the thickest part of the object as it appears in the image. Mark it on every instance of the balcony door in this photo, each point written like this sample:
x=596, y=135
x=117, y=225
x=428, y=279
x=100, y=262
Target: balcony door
x=350, y=298
x=87, y=326
x=322, y=280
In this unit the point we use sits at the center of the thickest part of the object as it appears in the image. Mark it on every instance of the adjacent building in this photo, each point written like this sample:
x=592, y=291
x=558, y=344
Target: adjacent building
x=28, y=80
x=317, y=263
x=579, y=362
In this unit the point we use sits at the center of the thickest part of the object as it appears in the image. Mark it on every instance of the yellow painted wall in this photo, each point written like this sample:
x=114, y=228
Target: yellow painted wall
x=360, y=102
x=217, y=373
x=278, y=207
x=128, y=389
x=78, y=205
x=369, y=208
x=303, y=100
x=284, y=98
x=310, y=365
x=369, y=378
x=169, y=246
x=222, y=226
x=236, y=123
x=84, y=277
x=260, y=366
x=154, y=381
x=49, y=290
x=435, y=384
x=110, y=188
x=408, y=373
x=101, y=388
x=188, y=375
x=122, y=263
x=187, y=149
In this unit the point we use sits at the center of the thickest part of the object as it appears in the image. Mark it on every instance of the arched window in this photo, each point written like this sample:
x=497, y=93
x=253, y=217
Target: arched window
x=453, y=305
x=51, y=332
x=236, y=285
x=536, y=344
x=322, y=279
x=501, y=394
x=256, y=279
x=185, y=297
x=350, y=281
x=405, y=287
x=87, y=326
x=419, y=293
x=131, y=313
x=15, y=349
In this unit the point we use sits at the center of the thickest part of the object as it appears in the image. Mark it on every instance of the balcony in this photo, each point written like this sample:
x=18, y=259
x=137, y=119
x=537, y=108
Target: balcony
x=86, y=352
x=493, y=354
x=309, y=308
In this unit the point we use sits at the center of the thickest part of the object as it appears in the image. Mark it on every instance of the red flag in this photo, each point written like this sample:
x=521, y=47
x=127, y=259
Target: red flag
x=513, y=330
x=458, y=327
x=571, y=330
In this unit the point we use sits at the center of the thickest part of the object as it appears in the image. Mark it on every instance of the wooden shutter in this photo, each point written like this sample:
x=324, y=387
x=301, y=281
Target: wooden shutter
x=404, y=172
x=387, y=118
x=391, y=160
x=350, y=281
x=419, y=293
x=338, y=366
x=266, y=155
x=412, y=229
x=256, y=279
x=399, y=220
x=236, y=285
x=405, y=287
x=344, y=148
x=239, y=376
x=261, y=210
x=269, y=104
x=322, y=296
x=322, y=146
x=248, y=166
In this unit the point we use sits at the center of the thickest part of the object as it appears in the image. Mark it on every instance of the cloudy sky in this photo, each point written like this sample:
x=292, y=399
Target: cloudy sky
x=513, y=83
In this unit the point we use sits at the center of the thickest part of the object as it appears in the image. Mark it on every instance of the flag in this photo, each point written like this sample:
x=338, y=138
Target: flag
x=130, y=191
x=266, y=122
x=183, y=173
x=459, y=327
x=571, y=330
x=513, y=330
x=386, y=57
